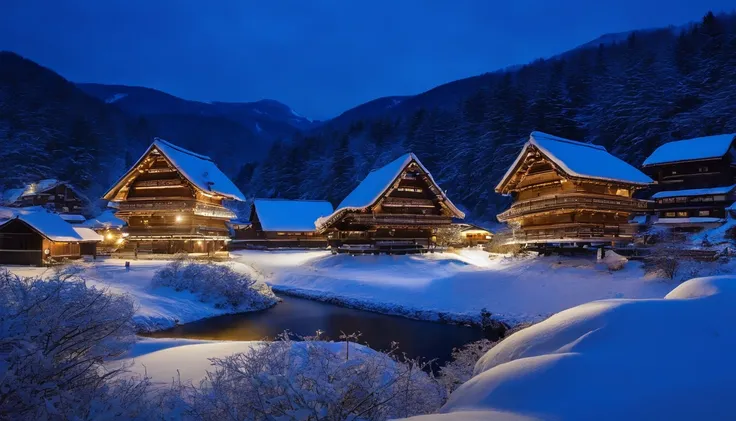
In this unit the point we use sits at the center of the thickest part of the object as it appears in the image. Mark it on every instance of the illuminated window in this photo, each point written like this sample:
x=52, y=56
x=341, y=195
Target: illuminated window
x=702, y=169
x=682, y=214
x=410, y=189
x=704, y=213
x=669, y=214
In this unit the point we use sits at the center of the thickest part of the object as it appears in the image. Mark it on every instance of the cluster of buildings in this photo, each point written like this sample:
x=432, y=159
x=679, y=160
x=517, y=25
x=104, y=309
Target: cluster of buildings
x=568, y=192
x=563, y=192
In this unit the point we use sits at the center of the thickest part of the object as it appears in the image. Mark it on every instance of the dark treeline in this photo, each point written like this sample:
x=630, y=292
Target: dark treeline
x=630, y=96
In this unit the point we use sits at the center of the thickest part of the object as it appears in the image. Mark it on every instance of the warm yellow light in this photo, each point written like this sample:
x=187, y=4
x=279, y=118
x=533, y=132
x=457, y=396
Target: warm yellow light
x=109, y=236
x=119, y=241
x=199, y=242
x=178, y=218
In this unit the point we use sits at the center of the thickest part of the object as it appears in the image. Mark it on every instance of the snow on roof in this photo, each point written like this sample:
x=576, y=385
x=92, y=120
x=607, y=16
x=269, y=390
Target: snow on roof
x=11, y=195
x=693, y=192
x=50, y=225
x=87, y=234
x=68, y=217
x=708, y=147
x=290, y=215
x=590, y=354
x=579, y=159
x=691, y=220
x=377, y=181
x=41, y=186
x=106, y=219
x=199, y=169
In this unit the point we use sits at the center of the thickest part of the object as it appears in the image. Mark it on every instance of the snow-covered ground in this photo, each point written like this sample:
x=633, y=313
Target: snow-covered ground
x=158, y=308
x=452, y=286
x=668, y=359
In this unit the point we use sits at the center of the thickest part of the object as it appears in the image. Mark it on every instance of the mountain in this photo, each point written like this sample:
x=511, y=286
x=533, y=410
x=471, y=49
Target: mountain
x=268, y=118
x=51, y=129
x=629, y=94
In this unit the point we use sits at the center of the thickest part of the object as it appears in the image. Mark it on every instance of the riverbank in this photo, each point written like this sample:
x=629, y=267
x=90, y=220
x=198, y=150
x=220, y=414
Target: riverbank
x=156, y=308
x=452, y=287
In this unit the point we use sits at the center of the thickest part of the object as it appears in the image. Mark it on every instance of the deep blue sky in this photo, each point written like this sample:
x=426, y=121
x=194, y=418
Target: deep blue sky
x=319, y=56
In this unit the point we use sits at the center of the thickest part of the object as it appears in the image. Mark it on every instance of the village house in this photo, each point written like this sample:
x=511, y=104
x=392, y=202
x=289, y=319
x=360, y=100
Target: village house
x=473, y=235
x=570, y=192
x=396, y=208
x=57, y=196
x=110, y=228
x=172, y=201
x=279, y=223
x=696, y=181
x=37, y=237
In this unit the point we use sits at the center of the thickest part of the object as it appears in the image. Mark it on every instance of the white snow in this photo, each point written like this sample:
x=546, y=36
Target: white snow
x=106, y=219
x=87, y=234
x=199, y=169
x=290, y=215
x=10, y=196
x=690, y=220
x=375, y=184
x=48, y=224
x=452, y=286
x=691, y=149
x=158, y=308
x=665, y=359
x=71, y=218
x=115, y=98
x=693, y=192
x=579, y=159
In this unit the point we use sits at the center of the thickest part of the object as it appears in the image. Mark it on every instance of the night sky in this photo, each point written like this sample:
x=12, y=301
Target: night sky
x=320, y=57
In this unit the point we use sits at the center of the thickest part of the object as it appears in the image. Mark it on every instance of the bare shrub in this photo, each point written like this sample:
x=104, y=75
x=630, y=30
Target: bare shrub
x=313, y=380
x=215, y=283
x=55, y=335
x=498, y=244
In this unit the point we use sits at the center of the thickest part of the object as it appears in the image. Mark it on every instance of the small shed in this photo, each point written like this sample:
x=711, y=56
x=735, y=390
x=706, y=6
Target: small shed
x=35, y=238
x=89, y=242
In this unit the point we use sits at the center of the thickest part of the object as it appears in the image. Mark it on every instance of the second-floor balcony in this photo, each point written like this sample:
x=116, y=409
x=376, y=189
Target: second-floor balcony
x=574, y=201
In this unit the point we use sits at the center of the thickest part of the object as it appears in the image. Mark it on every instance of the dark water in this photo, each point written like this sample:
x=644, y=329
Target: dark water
x=304, y=317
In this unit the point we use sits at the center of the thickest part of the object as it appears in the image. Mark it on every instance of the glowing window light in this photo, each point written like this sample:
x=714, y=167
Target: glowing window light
x=179, y=218
x=109, y=236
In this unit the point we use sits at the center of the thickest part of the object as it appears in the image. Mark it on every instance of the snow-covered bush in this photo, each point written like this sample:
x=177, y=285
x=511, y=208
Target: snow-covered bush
x=215, y=283
x=460, y=369
x=314, y=380
x=55, y=335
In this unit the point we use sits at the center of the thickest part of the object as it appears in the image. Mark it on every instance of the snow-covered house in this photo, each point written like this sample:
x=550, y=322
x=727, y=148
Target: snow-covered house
x=565, y=191
x=55, y=195
x=398, y=207
x=695, y=181
x=283, y=223
x=110, y=228
x=172, y=200
x=35, y=237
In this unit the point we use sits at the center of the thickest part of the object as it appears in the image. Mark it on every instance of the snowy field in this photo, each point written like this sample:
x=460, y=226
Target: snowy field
x=665, y=359
x=448, y=286
x=158, y=308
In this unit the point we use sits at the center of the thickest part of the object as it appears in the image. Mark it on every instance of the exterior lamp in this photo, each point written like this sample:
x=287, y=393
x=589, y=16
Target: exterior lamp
x=179, y=218
x=109, y=236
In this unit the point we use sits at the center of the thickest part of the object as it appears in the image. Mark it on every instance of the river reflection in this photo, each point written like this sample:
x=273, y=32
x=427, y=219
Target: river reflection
x=304, y=317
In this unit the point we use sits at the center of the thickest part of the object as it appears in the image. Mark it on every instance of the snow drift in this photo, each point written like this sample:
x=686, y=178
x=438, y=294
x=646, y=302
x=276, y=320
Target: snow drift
x=668, y=358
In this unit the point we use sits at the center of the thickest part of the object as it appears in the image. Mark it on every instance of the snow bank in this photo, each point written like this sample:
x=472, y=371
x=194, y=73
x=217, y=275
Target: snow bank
x=157, y=308
x=668, y=358
x=449, y=286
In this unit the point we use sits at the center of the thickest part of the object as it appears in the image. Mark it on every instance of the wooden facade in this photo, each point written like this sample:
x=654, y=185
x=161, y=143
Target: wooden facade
x=22, y=244
x=473, y=235
x=559, y=197
x=54, y=195
x=397, y=208
x=278, y=223
x=695, y=181
x=172, y=201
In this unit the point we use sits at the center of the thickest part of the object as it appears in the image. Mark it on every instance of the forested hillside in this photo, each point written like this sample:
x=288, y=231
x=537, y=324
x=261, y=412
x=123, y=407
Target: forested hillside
x=630, y=96
x=50, y=129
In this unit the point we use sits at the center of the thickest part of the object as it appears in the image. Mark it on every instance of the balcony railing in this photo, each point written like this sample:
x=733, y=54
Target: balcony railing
x=401, y=202
x=573, y=201
x=400, y=219
x=572, y=233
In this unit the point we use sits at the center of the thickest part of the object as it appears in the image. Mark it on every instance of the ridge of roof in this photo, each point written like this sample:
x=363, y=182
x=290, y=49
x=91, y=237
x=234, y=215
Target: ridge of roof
x=180, y=149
